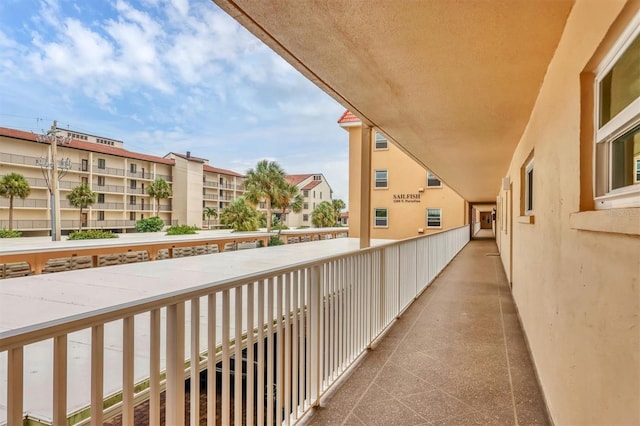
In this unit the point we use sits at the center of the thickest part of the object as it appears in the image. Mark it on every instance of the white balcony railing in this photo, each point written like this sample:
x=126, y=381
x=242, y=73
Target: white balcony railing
x=301, y=326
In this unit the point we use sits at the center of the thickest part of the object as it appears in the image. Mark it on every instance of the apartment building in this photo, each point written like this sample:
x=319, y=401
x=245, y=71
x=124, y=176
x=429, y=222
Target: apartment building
x=315, y=189
x=198, y=185
x=406, y=199
x=120, y=178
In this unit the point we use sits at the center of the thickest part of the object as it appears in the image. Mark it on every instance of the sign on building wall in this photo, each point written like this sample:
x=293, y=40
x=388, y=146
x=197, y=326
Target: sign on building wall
x=407, y=198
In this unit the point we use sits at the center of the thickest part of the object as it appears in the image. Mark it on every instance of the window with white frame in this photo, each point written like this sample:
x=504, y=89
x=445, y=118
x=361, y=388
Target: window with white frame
x=434, y=218
x=381, y=218
x=433, y=181
x=382, y=179
x=528, y=188
x=637, y=170
x=617, y=134
x=381, y=142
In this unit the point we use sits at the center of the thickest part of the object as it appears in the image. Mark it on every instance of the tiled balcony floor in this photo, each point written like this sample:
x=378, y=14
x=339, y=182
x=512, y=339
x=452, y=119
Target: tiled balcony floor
x=457, y=356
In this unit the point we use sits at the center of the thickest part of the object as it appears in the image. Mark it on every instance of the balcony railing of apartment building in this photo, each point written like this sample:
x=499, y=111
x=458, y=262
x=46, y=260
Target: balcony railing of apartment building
x=26, y=203
x=19, y=159
x=210, y=196
x=108, y=171
x=119, y=189
x=301, y=325
x=75, y=224
x=227, y=197
x=36, y=183
x=210, y=184
x=108, y=206
x=138, y=190
x=165, y=177
x=139, y=207
x=239, y=187
x=26, y=224
x=140, y=175
x=67, y=184
x=165, y=207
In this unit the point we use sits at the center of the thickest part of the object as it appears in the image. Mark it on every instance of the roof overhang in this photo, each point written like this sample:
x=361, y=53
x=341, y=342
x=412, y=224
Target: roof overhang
x=452, y=83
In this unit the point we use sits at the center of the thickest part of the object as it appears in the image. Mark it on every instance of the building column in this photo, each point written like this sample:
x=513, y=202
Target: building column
x=365, y=186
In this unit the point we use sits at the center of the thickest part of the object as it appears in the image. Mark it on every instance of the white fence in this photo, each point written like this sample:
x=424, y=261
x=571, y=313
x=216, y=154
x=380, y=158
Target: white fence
x=296, y=330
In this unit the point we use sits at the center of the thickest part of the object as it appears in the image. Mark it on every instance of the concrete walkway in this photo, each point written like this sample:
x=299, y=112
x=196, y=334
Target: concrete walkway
x=456, y=357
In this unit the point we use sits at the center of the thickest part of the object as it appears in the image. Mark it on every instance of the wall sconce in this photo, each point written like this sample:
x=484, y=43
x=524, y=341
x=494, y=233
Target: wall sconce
x=420, y=189
x=420, y=230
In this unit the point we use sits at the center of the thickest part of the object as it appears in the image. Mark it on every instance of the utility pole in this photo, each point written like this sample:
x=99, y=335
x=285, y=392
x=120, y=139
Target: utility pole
x=55, y=229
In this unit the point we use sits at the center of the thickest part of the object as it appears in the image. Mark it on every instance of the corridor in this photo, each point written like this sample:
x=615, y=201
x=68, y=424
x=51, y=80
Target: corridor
x=457, y=356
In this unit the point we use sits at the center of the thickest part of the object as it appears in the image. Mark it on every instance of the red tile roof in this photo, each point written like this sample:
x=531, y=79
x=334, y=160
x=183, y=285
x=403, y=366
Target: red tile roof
x=296, y=179
x=348, y=117
x=311, y=185
x=89, y=146
x=208, y=168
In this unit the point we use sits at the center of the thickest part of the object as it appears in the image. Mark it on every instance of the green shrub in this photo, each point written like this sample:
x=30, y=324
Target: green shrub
x=280, y=226
x=91, y=234
x=182, y=230
x=151, y=224
x=5, y=233
x=275, y=241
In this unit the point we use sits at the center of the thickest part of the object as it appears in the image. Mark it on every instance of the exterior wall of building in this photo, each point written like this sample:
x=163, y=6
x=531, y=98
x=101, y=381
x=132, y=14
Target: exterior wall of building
x=406, y=197
x=575, y=272
x=312, y=197
x=187, y=191
x=121, y=190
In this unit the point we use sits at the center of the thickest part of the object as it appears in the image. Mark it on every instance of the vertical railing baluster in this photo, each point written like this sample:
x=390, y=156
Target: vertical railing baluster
x=212, y=346
x=295, y=348
x=194, y=394
x=279, y=349
x=128, y=355
x=250, y=354
x=315, y=341
x=226, y=363
x=270, y=350
x=15, y=385
x=238, y=365
x=175, y=365
x=287, y=348
x=97, y=374
x=154, y=367
x=260, y=370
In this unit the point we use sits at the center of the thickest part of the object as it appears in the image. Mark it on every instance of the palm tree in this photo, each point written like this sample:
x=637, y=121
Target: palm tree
x=288, y=198
x=159, y=189
x=11, y=186
x=210, y=212
x=82, y=197
x=240, y=216
x=263, y=183
x=323, y=215
x=338, y=205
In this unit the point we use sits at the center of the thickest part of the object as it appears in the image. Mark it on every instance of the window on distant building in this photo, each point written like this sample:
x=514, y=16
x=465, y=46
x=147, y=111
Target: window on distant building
x=100, y=180
x=381, y=218
x=100, y=215
x=134, y=184
x=381, y=142
x=132, y=215
x=84, y=180
x=305, y=193
x=434, y=218
x=101, y=198
x=433, y=181
x=102, y=163
x=133, y=167
x=321, y=195
x=305, y=206
x=85, y=164
x=638, y=170
x=132, y=200
x=305, y=218
x=382, y=179
x=317, y=177
x=314, y=194
x=617, y=135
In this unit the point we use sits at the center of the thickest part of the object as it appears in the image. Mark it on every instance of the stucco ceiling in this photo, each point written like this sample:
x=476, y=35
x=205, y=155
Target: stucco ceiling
x=452, y=82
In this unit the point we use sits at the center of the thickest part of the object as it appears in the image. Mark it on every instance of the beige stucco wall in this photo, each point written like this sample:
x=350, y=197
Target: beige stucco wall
x=322, y=192
x=187, y=192
x=577, y=291
x=405, y=176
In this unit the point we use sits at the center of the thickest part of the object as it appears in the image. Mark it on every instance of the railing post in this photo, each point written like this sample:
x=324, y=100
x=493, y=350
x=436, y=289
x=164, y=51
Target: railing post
x=128, y=355
x=154, y=367
x=315, y=340
x=60, y=380
x=97, y=374
x=175, y=365
x=15, y=386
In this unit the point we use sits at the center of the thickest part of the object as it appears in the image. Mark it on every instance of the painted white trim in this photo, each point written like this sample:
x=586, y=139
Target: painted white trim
x=528, y=209
x=427, y=217
x=375, y=209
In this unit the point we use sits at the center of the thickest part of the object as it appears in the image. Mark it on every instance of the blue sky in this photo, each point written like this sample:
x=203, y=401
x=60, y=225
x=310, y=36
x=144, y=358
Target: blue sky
x=165, y=75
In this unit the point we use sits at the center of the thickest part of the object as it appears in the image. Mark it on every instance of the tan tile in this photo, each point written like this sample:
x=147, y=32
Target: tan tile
x=391, y=412
x=436, y=405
